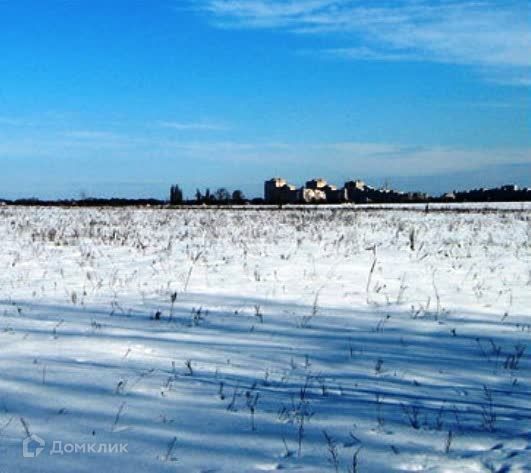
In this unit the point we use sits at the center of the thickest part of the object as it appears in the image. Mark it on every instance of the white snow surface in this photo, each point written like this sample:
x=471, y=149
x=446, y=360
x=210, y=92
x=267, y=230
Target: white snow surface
x=404, y=335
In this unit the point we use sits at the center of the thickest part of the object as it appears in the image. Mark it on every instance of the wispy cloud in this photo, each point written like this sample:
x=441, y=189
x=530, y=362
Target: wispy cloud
x=485, y=33
x=13, y=121
x=193, y=126
x=365, y=53
x=91, y=134
x=348, y=158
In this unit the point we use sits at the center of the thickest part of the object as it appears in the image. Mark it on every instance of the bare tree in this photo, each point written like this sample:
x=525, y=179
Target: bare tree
x=176, y=195
x=222, y=195
x=238, y=197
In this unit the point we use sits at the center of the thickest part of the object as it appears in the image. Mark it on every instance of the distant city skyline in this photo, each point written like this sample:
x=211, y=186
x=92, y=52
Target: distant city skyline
x=126, y=98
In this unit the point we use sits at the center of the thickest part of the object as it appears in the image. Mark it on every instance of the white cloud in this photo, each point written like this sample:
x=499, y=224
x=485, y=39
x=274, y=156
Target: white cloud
x=487, y=33
x=348, y=158
x=191, y=126
x=91, y=134
x=365, y=53
x=12, y=121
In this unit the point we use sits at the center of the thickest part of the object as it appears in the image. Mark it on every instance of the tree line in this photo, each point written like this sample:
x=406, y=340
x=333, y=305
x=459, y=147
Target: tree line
x=221, y=196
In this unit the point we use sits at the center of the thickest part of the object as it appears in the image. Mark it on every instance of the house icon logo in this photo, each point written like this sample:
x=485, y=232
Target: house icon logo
x=32, y=446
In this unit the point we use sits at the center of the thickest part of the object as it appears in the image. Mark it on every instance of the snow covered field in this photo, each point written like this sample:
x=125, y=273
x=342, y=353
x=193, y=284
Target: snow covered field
x=229, y=341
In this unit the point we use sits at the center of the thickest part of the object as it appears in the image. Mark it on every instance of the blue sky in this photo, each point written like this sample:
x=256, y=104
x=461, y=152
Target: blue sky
x=124, y=98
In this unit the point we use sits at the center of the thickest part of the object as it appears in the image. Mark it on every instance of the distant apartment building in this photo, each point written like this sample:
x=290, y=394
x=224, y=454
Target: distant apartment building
x=315, y=191
x=360, y=193
x=315, y=184
x=509, y=188
x=356, y=191
x=309, y=196
x=448, y=197
x=331, y=193
x=417, y=196
x=278, y=191
x=506, y=193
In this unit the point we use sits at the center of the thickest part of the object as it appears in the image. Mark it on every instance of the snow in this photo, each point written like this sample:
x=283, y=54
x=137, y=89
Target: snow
x=402, y=334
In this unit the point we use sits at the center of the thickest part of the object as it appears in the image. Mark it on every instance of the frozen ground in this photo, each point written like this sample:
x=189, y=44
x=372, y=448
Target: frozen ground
x=402, y=335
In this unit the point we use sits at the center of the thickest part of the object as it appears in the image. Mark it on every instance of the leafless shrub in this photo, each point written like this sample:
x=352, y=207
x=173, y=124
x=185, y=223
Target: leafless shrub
x=448, y=443
x=512, y=361
x=306, y=319
x=169, y=452
x=333, y=452
x=369, y=279
x=378, y=366
x=232, y=405
x=439, y=418
x=120, y=387
x=198, y=315
x=173, y=298
x=57, y=325
x=287, y=452
x=379, y=416
x=251, y=398
x=487, y=410
x=118, y=416
x=412, y=413
x=258, y=313
x=299, y=414
x=412, y=239
x=25, y=426
x=381, y=324
x=354, y=465
x=194, y=259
